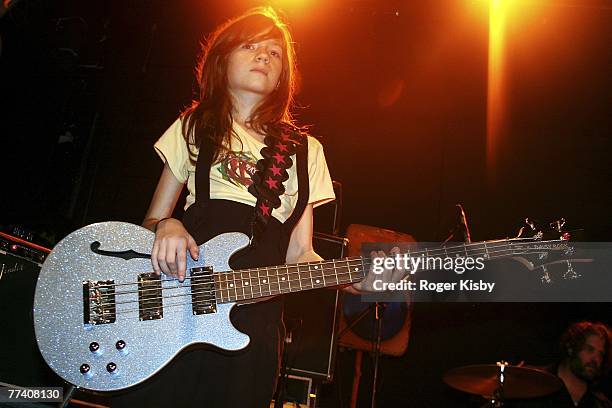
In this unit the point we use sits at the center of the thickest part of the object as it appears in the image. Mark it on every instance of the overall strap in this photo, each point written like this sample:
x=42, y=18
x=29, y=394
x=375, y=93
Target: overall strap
x=192, y=218
x=303, y=185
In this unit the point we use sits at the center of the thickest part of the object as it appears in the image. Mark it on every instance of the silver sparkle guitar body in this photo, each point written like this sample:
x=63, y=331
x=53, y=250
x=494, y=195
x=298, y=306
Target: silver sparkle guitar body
x=123, y=346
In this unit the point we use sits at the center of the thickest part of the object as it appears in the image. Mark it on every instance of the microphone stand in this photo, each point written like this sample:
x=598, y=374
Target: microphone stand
x=379, y=310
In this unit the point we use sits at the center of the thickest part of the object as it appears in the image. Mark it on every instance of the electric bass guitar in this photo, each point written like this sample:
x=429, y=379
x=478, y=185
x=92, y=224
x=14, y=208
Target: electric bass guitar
x=104, y=321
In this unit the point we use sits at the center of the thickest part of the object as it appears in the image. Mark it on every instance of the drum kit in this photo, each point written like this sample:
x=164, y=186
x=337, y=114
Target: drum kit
x=501, y=381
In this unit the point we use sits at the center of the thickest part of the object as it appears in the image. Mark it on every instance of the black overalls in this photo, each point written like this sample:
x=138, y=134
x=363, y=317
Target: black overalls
x=205, y=378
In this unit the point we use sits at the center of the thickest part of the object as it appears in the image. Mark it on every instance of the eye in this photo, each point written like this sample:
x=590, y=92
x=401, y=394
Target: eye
x=249, y=46
x=276, y=54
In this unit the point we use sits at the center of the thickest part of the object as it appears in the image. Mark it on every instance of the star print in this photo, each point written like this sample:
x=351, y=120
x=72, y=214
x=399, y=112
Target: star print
x=279, y=158
x=275, y=170
x=264, y=209
x=281, y=147
x=271, y=183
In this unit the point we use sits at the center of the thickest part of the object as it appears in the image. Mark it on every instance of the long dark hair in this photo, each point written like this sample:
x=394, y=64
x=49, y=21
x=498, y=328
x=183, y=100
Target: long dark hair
x=210, y=116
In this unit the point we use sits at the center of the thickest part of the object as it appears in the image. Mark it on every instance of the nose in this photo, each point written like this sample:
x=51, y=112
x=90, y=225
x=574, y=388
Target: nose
x=262, y=55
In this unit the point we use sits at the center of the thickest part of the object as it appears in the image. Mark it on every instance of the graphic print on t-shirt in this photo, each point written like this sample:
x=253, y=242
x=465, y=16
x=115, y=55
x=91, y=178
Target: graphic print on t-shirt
x=238, y=168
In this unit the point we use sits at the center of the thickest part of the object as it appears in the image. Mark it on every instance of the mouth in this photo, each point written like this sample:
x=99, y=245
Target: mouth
x=261, y=71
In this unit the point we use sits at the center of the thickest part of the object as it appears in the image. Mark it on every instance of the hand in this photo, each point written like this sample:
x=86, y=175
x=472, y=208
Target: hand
x=388, y=275
x=169, y=254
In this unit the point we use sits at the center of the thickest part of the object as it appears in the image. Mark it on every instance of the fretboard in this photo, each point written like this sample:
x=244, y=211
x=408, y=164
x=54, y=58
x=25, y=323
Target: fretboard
x=254, y=283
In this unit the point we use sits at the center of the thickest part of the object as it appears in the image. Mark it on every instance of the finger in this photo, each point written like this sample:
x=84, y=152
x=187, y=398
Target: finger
x=171, y=258
x=161, y=258
x=194, y=250
x=181, y=260
x=154, y=261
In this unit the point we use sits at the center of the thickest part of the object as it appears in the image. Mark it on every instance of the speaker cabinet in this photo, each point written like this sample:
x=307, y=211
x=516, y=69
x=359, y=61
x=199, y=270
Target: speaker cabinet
x=311, y=319
x=20, y=361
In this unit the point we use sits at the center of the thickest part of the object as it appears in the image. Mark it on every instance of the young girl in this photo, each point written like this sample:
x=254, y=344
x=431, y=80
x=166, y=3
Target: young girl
x=247, y=168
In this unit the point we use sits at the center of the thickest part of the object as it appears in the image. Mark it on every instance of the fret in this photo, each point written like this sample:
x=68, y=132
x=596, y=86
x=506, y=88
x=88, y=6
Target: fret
x=232, y=285
x=221, y=284
x=254, y=282
x=245, y=282
x=487, y=256
x=335, y=273
x=465, y=249
x=268, y=282
x=261, y=282
x=225, y=297
x=316, y=274
x=273, y=280
x=293, y=277
x=302, y=274
x=284, y=285
x=218, y=279
x=342, y=277
x=354, y=268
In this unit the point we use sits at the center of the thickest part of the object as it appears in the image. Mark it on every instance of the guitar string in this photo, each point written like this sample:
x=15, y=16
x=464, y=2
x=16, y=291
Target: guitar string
x=214, y=292
x=210, y=280
x=232, y=276
x=447, y=251
x=358, y=262
x=205, y=301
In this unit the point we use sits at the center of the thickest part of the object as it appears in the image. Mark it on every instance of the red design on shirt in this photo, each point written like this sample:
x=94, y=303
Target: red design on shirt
x=238, y=168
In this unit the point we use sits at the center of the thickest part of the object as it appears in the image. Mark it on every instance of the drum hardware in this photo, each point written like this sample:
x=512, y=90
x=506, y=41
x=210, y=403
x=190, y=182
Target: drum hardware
x=501, y=381
x=390, y=320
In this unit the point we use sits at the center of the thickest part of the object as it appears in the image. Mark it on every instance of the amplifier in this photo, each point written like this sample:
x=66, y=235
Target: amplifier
x=312, y=318
x=20, y=361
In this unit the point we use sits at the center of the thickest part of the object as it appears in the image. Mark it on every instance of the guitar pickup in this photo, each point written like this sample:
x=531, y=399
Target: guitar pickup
x=99, y=305
x=203, y=292
x=150, y=305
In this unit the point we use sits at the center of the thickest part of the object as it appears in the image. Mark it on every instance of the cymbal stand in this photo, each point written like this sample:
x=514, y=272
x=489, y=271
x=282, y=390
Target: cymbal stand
x=497, y=400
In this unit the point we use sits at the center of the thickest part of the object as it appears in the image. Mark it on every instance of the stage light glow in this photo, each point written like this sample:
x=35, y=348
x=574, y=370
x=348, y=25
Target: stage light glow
x=289, y=5
x=500, y=13
x=495, y=82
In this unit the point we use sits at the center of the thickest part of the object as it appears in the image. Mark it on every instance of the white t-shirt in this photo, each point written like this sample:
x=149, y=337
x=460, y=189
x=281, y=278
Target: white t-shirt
x=230, y=176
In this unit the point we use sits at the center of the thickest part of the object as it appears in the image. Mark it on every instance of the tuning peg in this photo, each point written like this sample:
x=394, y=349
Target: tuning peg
x=571, y=273
x=531, y=224
x=557, y=225
x=545, y=278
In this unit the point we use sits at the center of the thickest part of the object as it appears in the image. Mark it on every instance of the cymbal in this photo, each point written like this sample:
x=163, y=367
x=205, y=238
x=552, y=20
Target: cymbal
x=519, y=382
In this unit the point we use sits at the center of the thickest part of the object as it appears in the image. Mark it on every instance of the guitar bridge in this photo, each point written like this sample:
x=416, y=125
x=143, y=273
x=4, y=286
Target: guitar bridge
x=99, y=306
x=150, y=305
x=203, y=294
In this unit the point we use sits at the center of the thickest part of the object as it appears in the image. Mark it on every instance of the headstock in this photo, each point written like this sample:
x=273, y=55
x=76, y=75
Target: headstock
x=547, y=244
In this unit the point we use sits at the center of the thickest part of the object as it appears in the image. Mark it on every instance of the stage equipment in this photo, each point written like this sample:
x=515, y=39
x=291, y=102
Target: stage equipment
x=21, y=362
x=311, y=320
x=497, y=382
x=315, y=316
x=390, y=320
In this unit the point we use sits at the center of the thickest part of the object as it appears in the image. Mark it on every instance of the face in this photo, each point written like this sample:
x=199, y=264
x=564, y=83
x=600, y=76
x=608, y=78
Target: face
x=586, y=364
x=254, y=68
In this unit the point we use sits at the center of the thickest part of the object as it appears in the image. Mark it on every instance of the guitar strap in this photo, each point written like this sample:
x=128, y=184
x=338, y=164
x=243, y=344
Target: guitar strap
x=271, y=173
x=267, y=186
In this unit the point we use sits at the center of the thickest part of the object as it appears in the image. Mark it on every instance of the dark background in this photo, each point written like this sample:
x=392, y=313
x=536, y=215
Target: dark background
x=397, y=91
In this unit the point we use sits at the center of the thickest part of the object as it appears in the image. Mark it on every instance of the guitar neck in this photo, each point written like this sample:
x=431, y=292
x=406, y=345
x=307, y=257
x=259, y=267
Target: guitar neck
x=254, y=283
